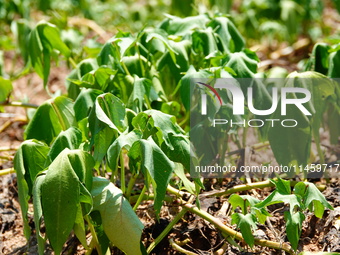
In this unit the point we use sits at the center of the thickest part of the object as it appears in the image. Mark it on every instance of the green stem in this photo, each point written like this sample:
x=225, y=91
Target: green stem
x=230, y=232
x=122, y=173
x=166, y=230
x=140, y=198
x=130, y=186
x=125, y=68
x=147, y=101
x=94, y=235
x=184, y=121
x=133, y=199
x=73, y=63
x=7, y=171
x=19, y=104
x=255, y=185
x=179, y=248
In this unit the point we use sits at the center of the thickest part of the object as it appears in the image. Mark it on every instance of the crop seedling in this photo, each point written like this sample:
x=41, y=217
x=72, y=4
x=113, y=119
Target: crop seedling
x=126, y=116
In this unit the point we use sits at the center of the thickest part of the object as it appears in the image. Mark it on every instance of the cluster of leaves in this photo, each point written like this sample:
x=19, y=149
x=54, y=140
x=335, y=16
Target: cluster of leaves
x=124, y=102
x=305, y=196
x=112, y=111
x=276, y=20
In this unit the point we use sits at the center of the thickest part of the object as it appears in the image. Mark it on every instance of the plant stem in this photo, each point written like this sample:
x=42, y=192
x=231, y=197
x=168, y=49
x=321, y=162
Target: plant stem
x=179, y=248
x=255, y=185
x=229, y=231
x=125, y=68
x=73, y=63
x=19, y=104
x=7, y=171
x=130, y=185
x=133, y=199
x=140, y=198
x=166, y=230
x=184, y=121
x=122, y=173
x=94, y=235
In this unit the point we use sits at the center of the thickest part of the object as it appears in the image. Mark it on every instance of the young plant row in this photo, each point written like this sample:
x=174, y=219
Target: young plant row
x=132, y=102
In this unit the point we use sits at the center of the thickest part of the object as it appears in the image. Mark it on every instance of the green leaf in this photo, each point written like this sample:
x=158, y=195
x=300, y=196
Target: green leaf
x=186, y=81
x=204, y=41
x=294, y=227
x=45, y=38
x=275, y=197
x=334, y=64
x=165, y=124
x=5, y=89
x=178, y=26
x=38, y=212
x=102, y=141
x=85, y=102
x=181, y=150
x=318, y=60
x=70, y=138
x=60, y=194
x=79, y=227
x=244, y=64
x=291, y=146
x=230, y=38
x=321, y=88
x=141, y=89
x=50, y=119
x=313, y=196
x=246, y=223
x=282, y=186
x=28, y=162
x=158, y=165
x=189, y=186
x=237, y=201
x=123, y=141
x=110, y=110
x=121, y=224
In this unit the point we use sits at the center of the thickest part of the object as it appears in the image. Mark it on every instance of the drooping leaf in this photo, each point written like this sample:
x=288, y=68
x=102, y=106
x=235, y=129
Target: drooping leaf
x=29, y=160
x=5, y=90
x=50, y=119
x=120, y=223
x=318, y=60
x=141, y=89
x=185, y=84
x=294, y=227
x=287, y=151
x=282, y=186
x=38, y=212
x=243, y=65
x=110, y=110
x=181, y=150
x=313, y=198
x=45, y=38
x=123, y=141
x=153, y=160
x=60, y=193
x=70, y=138
x=246, y=223
x=165, y=124
x=230, y=38
x=84, y=102
x=182, y=26
x=189, y=186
